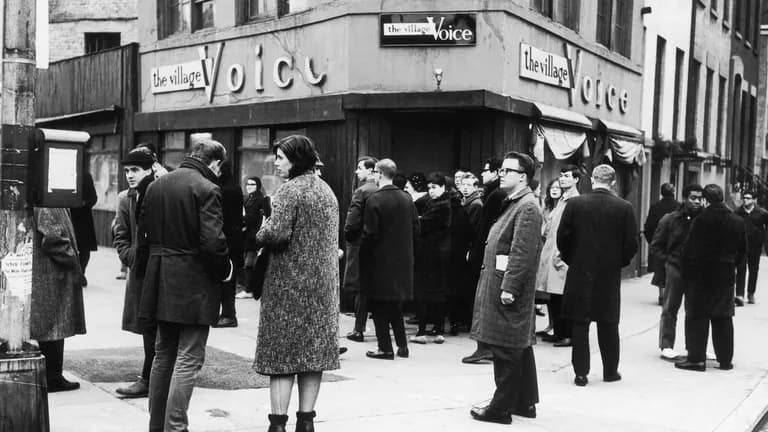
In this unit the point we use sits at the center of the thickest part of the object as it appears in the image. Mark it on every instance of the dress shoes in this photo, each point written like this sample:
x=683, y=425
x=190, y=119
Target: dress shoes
x=226, y=322
x=580, y=380
x=139, y=389
x=612, y=377
x=527, y=412
x=739, y=301
x=550, y=338
x=277, y=422
x=693, y=366
x=342, y=350
x=454, y=331
x=412, y=320
x=403, y=352
x=381, y=355
x=477, y=357
x=61, y=384
x=751, y=298
x=669, y=354
x=564, y=342
x=725, y=366
x=488, y=414
x=355, y=336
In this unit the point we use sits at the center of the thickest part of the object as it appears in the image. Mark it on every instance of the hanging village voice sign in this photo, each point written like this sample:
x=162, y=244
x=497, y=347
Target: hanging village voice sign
x=427, y=29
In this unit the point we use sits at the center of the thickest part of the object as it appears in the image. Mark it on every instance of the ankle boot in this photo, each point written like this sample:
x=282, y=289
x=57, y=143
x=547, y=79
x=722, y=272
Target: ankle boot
x=277, y=422
x=304, y=422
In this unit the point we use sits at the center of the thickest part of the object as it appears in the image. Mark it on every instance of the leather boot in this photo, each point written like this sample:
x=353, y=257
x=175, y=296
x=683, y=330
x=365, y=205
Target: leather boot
x=277, y=422
x=304, y=421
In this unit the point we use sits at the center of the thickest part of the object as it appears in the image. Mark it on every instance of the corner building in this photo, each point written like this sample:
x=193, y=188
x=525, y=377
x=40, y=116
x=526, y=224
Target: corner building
x=433, y=89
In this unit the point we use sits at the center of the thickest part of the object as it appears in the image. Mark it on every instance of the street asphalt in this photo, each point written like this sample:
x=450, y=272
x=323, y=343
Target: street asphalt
x=433, y=391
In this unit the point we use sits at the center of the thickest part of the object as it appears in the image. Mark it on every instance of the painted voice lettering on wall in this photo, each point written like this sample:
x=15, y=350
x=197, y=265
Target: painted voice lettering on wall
x=204, y=73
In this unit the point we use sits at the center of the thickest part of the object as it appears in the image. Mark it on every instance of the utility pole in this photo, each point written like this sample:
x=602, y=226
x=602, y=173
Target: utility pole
x=22, y=367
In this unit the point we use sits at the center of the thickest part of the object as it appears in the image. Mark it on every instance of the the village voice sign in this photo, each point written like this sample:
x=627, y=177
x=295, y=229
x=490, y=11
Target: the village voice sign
x=428, y=29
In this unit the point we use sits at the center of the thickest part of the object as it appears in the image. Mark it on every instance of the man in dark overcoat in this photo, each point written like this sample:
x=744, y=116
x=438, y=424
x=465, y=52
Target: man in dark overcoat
x=182, y=222
x=667, y=204
x=492, y=200
x=390, y=227
x=82, y=220
x=503, y=316
x=137, y=166
x=597, y=237
x=353, y=228
x=756, y=224
x=716, y=244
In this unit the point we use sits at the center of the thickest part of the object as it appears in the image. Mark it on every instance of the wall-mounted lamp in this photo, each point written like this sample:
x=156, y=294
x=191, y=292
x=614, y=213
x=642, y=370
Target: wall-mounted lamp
x=438, y=73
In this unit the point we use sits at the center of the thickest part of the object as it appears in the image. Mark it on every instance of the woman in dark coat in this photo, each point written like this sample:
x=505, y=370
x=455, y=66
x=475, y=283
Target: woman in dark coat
x=82, y=221
x=433, y=261
x=257, y=207
x=232, y=204
x=298, y=326
x=57, y=309
x=462, y=232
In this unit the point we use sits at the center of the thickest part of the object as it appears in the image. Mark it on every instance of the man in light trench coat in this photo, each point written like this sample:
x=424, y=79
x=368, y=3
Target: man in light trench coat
x=503, y=314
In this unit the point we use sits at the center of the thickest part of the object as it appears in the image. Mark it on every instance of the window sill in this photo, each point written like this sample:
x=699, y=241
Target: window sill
x=713, y=13
x=726, y=25
x=737, y=35
x=702, y=3
x=748, y=44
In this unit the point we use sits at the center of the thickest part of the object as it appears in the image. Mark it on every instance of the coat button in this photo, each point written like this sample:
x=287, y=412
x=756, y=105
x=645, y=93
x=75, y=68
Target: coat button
x=482, y=267
x=486, y=243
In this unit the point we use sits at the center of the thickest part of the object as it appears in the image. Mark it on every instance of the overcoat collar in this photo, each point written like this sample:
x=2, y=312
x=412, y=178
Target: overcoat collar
x=199, y=166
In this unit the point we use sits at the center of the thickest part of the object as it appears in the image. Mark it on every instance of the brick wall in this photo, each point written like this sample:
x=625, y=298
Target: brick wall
x=71, y=19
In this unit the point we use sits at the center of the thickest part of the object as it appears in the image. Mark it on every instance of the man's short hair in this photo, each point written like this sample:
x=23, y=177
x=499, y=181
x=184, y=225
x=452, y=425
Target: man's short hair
x=470, y=176
x=604, y=174
x=399, y=180
x=387, y=168
x=713, y=193
x=693, y=187
x=573, y=169
x=493, y=163
x=526, y=164
x=668, y=190
x=369, y=162
x=208, y=151
x=300, y=151
x=437, y=178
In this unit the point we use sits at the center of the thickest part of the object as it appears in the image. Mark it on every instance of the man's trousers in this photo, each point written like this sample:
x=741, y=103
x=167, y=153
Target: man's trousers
x=514, y=371
x=607, y=339
x=386, y=314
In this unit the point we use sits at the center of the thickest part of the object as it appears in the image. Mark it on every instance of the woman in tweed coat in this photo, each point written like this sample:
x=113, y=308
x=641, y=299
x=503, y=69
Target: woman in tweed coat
x=298, y=326
x=57, y=310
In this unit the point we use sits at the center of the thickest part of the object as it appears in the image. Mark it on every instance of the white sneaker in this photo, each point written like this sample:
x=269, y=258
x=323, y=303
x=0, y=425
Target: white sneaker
x=418, y=339
x=439, y=339
x=243, y=295
x=669, y=354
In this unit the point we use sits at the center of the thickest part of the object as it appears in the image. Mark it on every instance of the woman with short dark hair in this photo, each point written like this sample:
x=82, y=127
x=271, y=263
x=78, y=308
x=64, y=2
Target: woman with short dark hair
x=298, y=326
x=257, y=207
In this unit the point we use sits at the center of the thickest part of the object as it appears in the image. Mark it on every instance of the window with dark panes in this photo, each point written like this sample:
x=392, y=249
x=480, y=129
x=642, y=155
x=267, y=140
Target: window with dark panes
x=255, y=9
x=722, y=92
x=658, y=84
x=737, y=25
x=707, y=123
x=174, y=149
x=544, y=7
x=679, y=64
x=568, y=12
x=95, y=42
x=747, y=20
x=756, y=28
x=173, y=17
x=604, y=16
x=202, y=14
x=693, y=99
x=283, y=7
x=713, y=5
x=623, y=28
x=257, y=159
x=726, y=10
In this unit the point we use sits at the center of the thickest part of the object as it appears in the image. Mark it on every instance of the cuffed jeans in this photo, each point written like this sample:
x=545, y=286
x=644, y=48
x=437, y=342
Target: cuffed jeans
x=514, y=371
x=180, y=353
x=673, y=298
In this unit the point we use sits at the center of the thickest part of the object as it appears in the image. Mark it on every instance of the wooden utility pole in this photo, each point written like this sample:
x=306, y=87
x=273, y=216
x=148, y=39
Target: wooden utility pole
x=22, y=368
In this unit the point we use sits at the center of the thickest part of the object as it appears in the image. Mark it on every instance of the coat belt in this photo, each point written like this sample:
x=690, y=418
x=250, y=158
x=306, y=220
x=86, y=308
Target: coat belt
x=160, y=250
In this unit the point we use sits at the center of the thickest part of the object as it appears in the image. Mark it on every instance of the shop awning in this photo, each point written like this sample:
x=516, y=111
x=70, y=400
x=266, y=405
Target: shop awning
x=563, y=142
x=627, y=151
x=620, y=129
x=559, y=115
x=102, y=121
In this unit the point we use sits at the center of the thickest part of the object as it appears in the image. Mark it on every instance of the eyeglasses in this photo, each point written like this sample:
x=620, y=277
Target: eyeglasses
x=375, y=172
x=505, y=171
x=250, y=184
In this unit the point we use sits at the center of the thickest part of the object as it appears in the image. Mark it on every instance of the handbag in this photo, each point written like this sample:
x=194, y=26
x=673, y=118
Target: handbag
x=256, y=271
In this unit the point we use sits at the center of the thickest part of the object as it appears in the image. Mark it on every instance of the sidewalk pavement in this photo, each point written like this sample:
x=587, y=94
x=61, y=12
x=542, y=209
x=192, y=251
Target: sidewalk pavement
x=433, y=391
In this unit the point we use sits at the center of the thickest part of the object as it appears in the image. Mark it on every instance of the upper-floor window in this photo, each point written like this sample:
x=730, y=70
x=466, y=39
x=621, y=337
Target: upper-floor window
x=713, y=5
x=738, y=25
x=614, y=25
x=726, y=10
x=566, y=12
x=179, y=16
x=95, y=42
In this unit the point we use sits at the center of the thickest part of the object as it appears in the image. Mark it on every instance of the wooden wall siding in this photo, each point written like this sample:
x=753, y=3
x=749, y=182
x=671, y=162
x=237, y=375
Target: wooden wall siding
x=102, y=221
x=87, y=83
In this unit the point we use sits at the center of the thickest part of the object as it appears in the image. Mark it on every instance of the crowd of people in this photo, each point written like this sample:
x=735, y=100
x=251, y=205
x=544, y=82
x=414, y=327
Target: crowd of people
x=480, y=255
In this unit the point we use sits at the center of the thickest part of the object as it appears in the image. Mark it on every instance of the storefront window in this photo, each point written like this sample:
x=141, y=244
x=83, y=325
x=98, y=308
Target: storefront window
x=256, y=159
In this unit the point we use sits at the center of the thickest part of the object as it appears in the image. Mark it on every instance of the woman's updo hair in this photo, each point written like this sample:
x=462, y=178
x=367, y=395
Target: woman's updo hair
x=300, y=151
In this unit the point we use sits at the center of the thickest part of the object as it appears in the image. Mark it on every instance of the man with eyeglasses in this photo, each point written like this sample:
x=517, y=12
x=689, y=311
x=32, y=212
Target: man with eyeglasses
x=503, y=317
x=756, y=221
x=367, y=177
x=667, y=247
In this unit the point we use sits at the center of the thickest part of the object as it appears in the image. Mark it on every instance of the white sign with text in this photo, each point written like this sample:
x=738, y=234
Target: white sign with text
x=544, y=67
x=184, y=76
